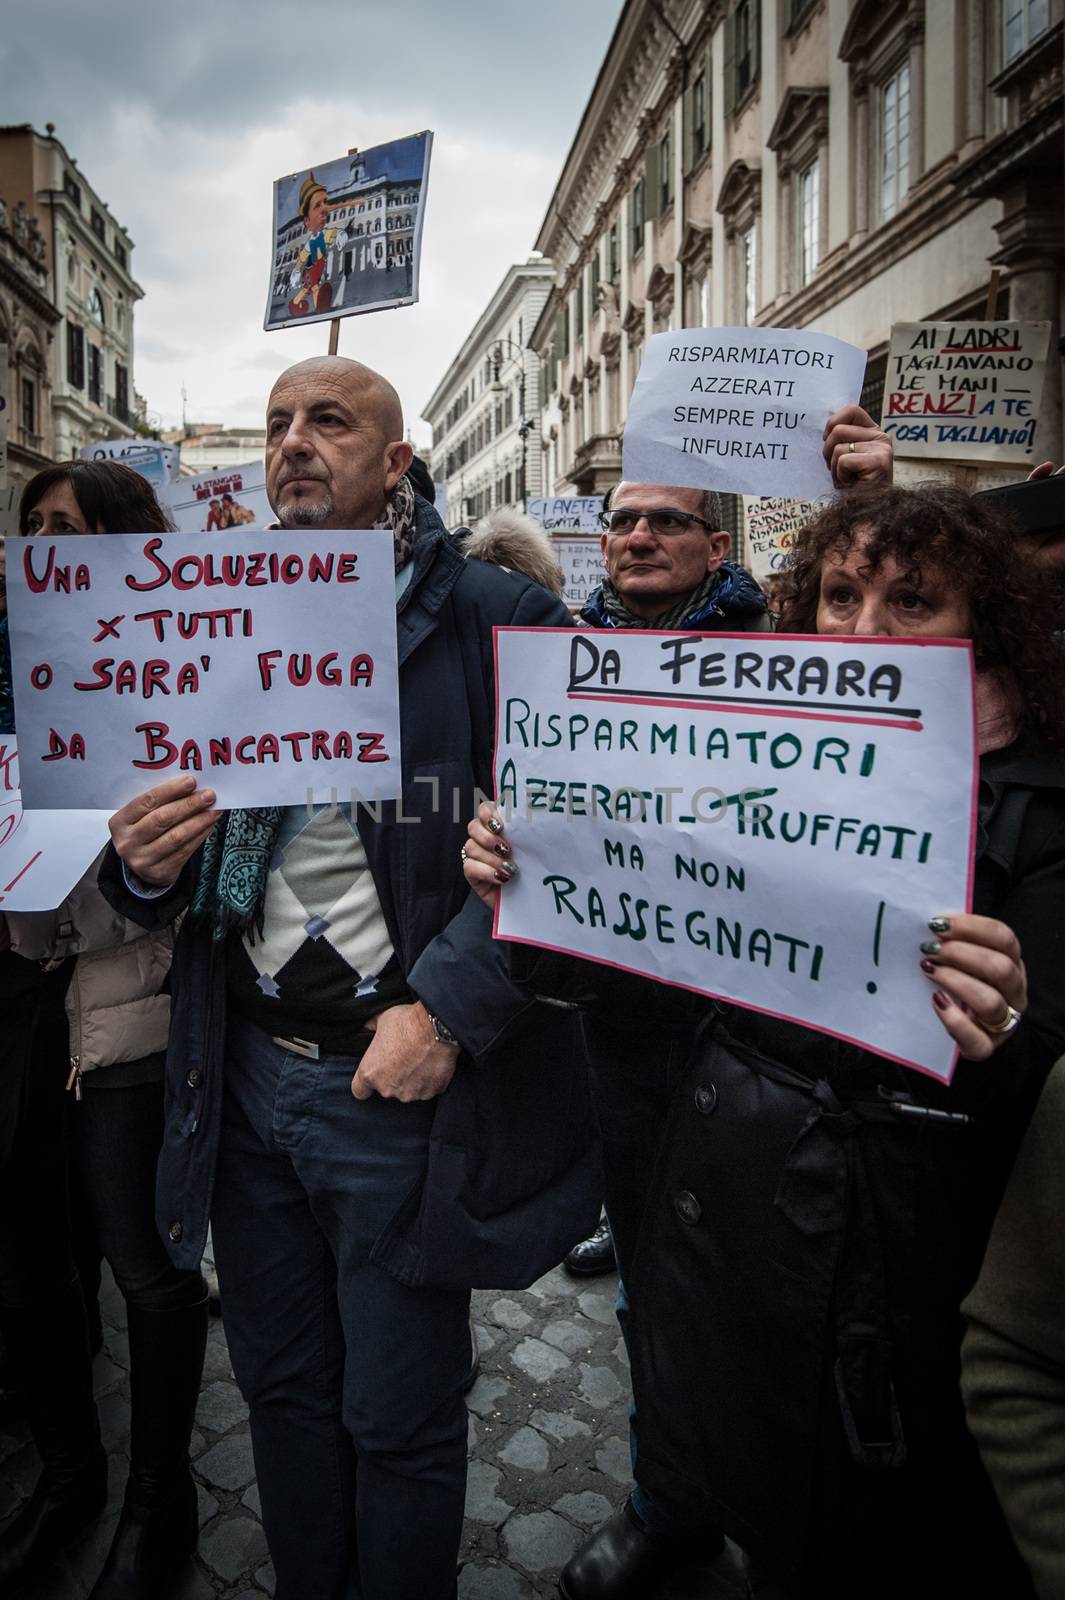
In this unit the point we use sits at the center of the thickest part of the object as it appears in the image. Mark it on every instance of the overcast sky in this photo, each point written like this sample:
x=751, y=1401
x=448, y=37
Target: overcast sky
x=182, y=125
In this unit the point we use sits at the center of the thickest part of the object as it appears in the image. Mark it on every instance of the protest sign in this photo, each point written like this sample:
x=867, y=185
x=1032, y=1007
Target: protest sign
x=234, y=497
x=737, y=815
x=741, y=410
x=440, y=501
x=567, y=513
x=348, y=234
x=158, y=463
x=265, y=663
x=770, y=526
x=967, y=391
x=43, y=854
x=582, y=567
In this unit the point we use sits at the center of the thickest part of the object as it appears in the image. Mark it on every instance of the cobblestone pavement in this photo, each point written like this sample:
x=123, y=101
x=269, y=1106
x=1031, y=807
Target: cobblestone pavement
x=548, y=1455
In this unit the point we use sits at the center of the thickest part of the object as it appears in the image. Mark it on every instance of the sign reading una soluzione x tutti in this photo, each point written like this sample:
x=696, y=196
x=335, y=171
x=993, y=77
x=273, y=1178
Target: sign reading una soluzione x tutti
x=741, y=410
x=737, y=815
x=265, y=663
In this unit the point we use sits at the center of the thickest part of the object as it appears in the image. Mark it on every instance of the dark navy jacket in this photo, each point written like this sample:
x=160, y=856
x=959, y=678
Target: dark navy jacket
x=736, y=602
x=512, y=1169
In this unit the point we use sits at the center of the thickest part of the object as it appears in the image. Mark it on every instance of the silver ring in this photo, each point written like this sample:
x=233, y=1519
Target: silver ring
x=1009, y=1024
x=851, y=446
x=463, y=854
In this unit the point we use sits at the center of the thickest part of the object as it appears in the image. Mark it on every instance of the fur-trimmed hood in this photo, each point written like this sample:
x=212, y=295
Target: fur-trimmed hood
x=511, y=540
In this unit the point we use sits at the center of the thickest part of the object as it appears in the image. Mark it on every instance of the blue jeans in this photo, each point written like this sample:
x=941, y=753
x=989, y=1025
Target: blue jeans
x=353, y=1380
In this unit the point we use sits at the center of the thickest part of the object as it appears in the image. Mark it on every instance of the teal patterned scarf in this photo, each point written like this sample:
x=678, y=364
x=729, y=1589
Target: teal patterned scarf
x=231, y=889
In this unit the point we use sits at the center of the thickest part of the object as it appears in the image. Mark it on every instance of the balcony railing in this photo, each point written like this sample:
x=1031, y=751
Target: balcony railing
x=119, y=408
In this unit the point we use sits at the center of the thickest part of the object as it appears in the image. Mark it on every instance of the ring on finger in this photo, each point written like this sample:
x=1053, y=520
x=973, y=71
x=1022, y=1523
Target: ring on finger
x=1006, y=1024
x=851, y=445
x=463, y=854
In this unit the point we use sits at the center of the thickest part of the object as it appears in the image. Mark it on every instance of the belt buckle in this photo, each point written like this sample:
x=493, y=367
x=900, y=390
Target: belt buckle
x=299, y=1047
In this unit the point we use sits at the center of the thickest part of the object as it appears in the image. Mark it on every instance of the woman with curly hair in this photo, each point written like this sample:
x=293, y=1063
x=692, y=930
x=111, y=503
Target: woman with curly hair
x=817, y=1213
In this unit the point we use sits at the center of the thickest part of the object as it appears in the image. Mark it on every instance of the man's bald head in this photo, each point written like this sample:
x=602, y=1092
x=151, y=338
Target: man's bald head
x=368, y=388
x=334, y=444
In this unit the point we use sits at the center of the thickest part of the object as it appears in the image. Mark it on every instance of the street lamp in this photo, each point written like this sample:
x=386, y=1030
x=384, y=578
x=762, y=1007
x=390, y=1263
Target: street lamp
x=505, y=349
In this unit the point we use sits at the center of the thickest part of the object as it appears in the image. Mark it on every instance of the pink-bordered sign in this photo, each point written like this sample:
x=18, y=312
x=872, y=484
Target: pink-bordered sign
x=805, y=900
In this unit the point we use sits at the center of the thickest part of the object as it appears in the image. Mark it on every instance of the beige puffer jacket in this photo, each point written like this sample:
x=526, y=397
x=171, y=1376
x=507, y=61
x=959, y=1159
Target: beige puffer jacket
x=114, y=1005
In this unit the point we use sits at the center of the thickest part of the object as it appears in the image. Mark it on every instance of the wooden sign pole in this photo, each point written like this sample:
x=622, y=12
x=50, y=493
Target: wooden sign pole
x=992, y=296
x=334, y=335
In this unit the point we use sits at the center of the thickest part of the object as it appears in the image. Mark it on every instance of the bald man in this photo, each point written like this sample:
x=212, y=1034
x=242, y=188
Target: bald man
x=375, y=1117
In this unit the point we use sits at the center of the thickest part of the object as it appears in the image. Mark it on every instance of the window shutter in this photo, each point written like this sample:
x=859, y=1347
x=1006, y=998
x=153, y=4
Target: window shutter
x=686, y=160
x=730, y=62
x=756, y=39
x=651, y=164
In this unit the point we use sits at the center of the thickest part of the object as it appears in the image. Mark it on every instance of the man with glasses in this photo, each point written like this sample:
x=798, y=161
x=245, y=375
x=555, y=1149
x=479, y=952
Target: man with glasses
x=667, y=566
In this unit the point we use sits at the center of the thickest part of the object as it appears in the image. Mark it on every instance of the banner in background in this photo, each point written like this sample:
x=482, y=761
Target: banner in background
x=232, y=498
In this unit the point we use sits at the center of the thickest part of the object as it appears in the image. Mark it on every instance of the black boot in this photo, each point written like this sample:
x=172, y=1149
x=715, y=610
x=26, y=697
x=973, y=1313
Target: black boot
x=48, y=1344
x=159, y=1524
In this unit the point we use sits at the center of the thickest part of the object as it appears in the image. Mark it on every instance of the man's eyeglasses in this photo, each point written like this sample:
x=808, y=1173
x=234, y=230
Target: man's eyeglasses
x=663, y=522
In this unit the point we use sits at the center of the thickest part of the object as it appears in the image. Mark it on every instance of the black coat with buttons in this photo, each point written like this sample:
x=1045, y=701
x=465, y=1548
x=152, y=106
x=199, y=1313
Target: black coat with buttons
x=512, y=1177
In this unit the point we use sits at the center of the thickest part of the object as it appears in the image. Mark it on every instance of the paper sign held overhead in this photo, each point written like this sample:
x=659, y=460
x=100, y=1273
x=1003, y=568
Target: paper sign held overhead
x=770, y=525
x=965, y=391
x=737, y=815
x=740, y=410
x=158, y=463
x=347, y=233
x=265, y=663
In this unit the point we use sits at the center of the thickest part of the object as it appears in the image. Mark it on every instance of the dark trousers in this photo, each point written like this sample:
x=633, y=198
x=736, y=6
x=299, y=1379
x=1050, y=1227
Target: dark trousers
x=634, y=1079
x=353, y=1380
x=112, y=1137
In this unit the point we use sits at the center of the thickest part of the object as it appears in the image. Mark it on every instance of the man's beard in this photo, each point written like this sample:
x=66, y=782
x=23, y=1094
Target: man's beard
x=306, y=513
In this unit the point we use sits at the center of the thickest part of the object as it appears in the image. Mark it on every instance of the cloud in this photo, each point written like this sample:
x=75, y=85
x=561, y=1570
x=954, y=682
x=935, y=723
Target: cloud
x=183, y=125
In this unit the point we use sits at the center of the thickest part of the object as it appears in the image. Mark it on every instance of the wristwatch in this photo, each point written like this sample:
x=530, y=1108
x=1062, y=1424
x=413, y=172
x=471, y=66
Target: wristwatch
x=441, y=1030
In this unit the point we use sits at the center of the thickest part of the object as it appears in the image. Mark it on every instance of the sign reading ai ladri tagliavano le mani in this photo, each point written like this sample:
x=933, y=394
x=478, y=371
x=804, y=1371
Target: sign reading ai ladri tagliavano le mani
x=263, y=662
x=737, y=815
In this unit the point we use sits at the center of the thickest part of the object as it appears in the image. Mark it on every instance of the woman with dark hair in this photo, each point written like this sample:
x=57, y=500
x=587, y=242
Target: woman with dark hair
x=82, y=1087
x=817, y=1213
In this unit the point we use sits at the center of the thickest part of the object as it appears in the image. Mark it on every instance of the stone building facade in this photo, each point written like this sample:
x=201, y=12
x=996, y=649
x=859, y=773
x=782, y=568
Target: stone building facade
x=485, y=410
x=837, y=164
x=88, y=255
x=28, y=321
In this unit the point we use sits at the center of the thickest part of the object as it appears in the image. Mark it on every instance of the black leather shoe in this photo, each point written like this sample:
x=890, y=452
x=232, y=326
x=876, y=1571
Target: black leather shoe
x=622, y=1561
x=593, y=1255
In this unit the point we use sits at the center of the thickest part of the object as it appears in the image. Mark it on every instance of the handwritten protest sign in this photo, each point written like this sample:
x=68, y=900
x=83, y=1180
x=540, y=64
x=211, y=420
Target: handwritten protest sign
x=582, y=567
x=578, y=513
x=738, y=816
x=347, y=234
x=263, y=662
x=771, y=524
x=965, y=390
x=42, y=853
x=159, y=463
x=742, y=410
x=235, y=497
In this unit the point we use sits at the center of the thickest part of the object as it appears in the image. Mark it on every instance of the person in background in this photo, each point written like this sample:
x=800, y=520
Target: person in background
x=81, y=1075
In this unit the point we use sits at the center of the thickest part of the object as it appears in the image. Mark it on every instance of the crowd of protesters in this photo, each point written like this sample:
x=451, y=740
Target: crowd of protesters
x=839, y=1278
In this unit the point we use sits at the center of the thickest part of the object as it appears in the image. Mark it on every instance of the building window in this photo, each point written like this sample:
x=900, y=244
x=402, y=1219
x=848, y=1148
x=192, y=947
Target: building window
x=29, y=406
x=75, y=356
x=809, y=221
x=578, y=305
x=121, y=390
x=665, y=172
x=96, y=307
x=746, y=24
x=613, y=253
x=795, y=11
x=1022, y=22
x=72, y=189
x=593, y=280
x=120, y=255
x=96, y=222
x=894, y=141
x=700, y=122
x=96, y=375
x=565, y=330
x=749, y=267
x=637, y=216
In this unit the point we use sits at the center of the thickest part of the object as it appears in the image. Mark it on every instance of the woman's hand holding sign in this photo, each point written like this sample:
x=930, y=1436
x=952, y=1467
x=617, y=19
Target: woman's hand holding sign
x=856, y=451
x=156, y=833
